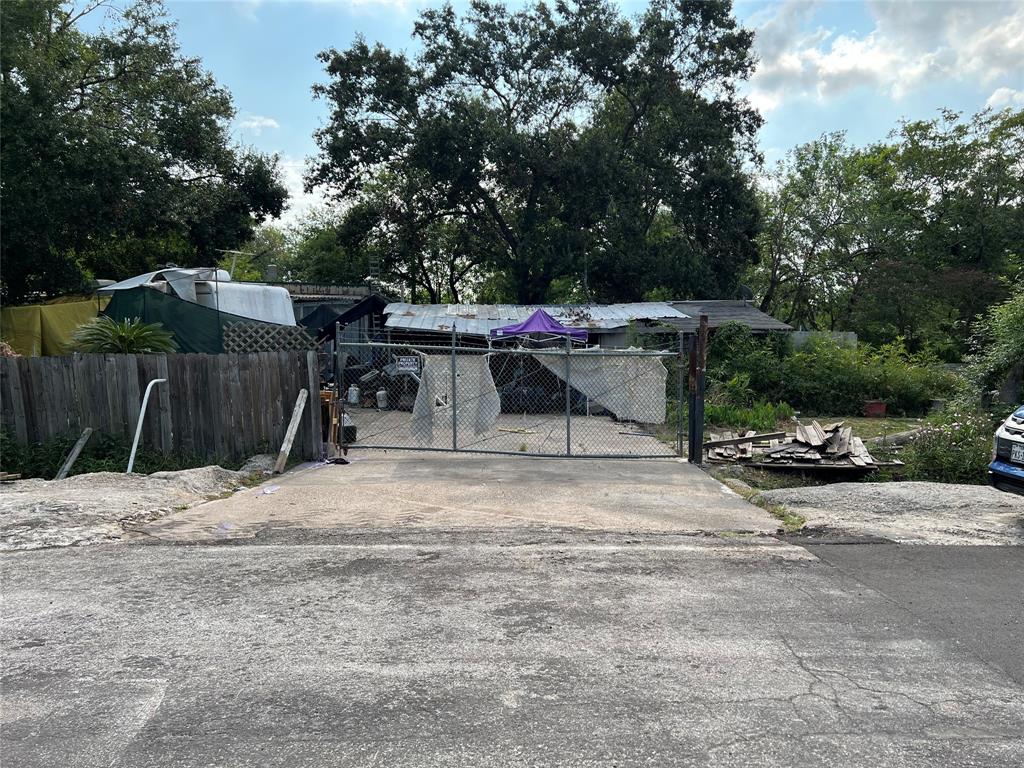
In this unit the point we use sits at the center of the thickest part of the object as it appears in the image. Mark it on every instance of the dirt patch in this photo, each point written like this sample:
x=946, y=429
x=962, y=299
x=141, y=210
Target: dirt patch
x=99, y=506
x=921, y=513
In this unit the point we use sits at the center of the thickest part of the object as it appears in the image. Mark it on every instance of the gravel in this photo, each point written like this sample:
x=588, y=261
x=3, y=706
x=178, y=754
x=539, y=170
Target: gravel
x=95, y=507
x=916, y=513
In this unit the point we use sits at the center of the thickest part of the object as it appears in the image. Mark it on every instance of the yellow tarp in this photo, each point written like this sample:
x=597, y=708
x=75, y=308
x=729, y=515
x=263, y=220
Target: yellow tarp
x=45, y=329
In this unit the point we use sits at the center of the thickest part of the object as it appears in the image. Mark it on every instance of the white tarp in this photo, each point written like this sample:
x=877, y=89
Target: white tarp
x=476, y=400
x=630, y=386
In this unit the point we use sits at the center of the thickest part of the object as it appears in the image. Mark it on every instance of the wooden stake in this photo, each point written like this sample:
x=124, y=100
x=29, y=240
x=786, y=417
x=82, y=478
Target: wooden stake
x=293, y=427
x=66, y=466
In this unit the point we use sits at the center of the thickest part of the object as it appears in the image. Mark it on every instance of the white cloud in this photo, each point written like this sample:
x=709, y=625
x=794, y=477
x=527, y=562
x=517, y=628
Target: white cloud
x=300, y=202
x=911, y=44
x=256, y=124
x=1005, y=97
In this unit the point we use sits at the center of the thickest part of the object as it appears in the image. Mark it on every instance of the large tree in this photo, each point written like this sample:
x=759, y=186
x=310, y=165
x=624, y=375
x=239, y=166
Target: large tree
x=115, y=150
x=913, y=237
x=567, y=142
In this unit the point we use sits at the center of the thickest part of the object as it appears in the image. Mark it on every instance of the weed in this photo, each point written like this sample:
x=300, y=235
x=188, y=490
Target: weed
x=103, y=453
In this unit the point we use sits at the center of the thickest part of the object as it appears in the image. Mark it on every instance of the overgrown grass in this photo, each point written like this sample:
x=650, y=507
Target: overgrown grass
x=955, y=447
x=791, y=521
x=103, y=453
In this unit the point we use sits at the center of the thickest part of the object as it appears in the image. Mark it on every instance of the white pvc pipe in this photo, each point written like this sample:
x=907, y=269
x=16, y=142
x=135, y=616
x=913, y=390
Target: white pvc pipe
x=138, y=427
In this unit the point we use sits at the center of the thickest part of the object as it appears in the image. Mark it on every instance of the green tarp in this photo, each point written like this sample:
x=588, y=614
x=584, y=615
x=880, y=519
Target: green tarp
x=44, y=329
x=196, y=328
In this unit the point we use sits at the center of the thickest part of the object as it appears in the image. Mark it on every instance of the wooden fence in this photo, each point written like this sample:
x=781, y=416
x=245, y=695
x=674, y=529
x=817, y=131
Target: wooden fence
x=214, y=406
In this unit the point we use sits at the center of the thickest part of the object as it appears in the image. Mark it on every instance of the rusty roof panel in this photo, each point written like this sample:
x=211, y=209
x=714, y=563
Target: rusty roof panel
x=481, y=319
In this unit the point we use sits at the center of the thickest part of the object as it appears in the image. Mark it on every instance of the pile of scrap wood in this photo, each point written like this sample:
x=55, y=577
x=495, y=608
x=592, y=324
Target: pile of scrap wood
x=812, y=446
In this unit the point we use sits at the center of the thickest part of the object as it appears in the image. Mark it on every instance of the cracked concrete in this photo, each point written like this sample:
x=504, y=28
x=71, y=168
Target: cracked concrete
x=499, y=647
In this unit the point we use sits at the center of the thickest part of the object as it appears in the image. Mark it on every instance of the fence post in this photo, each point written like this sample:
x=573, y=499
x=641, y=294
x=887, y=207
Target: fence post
x=702, y=364
x=691, y=397
x=680, y=391
x=568, y=398
x=455, y=386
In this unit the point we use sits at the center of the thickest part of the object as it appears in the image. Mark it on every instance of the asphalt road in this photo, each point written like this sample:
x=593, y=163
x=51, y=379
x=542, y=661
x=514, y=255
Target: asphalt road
x=511, y=647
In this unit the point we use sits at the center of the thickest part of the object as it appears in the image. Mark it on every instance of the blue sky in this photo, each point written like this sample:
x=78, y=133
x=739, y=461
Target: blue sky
x=854, y=66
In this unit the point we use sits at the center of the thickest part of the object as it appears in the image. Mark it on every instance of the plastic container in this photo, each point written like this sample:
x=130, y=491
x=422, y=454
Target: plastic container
x=353, y=395
x=382, y=399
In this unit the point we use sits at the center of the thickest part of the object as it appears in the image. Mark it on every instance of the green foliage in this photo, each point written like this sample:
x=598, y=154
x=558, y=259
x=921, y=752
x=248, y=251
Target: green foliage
x=553, y=145
x=115, y=149
x=822, y=376
x=999, y=341
x=103, y=453
x=128, y=336
x=911, y=238
x=762, y=417
x=955, y=448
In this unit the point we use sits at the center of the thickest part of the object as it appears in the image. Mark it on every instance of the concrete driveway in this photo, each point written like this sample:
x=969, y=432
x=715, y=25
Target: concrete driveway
x=404, y=489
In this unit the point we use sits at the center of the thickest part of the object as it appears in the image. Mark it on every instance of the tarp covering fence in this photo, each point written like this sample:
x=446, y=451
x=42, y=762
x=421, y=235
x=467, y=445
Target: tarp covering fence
x=477, y=401
x=630, y=387
x=45, y=329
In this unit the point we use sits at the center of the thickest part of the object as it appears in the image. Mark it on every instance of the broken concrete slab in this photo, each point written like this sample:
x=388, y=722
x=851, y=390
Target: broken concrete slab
x=909, y=512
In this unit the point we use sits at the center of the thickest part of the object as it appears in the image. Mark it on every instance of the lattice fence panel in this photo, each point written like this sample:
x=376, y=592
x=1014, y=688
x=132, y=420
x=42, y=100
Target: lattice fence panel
x=245, y=338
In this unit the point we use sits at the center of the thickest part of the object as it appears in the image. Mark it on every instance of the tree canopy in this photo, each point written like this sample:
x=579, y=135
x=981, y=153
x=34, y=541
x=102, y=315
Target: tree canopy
x=115, y=150
x=562, y=145
x=909, y=238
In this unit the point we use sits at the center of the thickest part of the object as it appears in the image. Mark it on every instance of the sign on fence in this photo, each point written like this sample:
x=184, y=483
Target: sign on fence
x=408, y=363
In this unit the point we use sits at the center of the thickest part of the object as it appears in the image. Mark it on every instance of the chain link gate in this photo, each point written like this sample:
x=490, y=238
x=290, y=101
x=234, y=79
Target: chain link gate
x=554, y=401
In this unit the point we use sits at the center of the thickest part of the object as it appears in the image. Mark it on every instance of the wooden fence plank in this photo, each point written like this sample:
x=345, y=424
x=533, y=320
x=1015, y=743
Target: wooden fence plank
x=316, y=441
x=166, y=434
x=216, y=406
x=129, y=376
x=18, y=401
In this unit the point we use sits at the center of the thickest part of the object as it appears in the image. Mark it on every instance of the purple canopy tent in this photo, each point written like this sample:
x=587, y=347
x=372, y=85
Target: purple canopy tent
x=540, y=322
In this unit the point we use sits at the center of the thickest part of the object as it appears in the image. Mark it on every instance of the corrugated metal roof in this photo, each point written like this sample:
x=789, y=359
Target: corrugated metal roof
x=480, y=319
x=720, y=312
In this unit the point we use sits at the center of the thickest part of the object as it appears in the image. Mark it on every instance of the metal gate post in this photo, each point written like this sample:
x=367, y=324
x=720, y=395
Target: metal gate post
x=455, y=402
x=702, y=364
x=568, y=399
x=680, y=391
x=691, y=400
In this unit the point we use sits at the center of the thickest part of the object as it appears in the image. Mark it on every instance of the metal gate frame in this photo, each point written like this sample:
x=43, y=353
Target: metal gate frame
x=689, y=347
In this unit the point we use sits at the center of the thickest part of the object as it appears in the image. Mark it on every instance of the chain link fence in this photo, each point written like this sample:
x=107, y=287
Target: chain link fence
x=545, y=400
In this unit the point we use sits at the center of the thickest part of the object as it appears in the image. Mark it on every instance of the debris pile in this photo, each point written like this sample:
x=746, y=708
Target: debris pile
x=813, y=446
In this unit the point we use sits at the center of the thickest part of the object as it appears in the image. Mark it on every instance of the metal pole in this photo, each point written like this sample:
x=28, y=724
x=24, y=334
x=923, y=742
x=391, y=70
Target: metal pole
x=680, y=392
x=338, y=362
x=691, y=400
x=568, y=399
x=138, y=427
x=702, y=364
x=455, y=387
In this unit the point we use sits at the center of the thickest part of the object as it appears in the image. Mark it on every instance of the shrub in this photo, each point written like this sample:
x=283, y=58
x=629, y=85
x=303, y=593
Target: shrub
x=129, y=336
x=998, y=342
x=954, y=448
x=822, y=376
x=103, y=453
x=762, y=416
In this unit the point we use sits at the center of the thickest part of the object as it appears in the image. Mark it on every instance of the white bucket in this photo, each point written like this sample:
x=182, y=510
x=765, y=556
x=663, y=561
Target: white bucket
x=353, y=395
x=382, y=399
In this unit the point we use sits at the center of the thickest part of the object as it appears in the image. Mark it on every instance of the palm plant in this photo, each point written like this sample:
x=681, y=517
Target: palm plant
x=128, y=336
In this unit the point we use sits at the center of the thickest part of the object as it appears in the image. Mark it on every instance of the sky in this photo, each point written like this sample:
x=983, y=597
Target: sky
x=858, y=66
